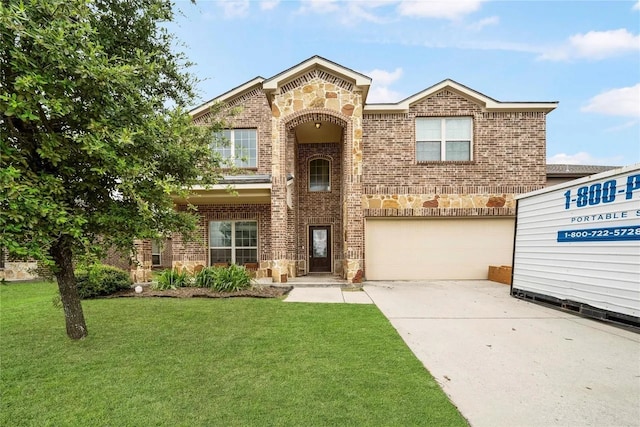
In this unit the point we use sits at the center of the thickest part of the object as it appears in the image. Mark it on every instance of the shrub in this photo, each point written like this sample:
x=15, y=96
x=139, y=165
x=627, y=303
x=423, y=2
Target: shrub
x=100, y=280
x=206, y=278
x=172, y=279
x=232, y=278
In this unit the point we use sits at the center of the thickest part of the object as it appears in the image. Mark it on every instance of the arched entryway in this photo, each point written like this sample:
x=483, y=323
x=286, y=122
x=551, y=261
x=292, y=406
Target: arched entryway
x=315, y=155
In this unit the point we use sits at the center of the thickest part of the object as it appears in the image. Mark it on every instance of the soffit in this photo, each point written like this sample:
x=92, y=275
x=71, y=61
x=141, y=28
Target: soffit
x=328, y=132
x=239, y=189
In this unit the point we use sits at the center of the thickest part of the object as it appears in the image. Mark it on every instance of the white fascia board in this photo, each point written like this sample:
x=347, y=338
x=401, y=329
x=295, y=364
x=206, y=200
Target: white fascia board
x=386, y=108
x=227, y=95
x=489, y=103
x=316, y=61
x=578, y=181
x=236, y=187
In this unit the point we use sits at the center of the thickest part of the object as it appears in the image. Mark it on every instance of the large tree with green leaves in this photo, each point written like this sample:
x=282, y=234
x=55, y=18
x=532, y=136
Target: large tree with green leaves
x=94, y=134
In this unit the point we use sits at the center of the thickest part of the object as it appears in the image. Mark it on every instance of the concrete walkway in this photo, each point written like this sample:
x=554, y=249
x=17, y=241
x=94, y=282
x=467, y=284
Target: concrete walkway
x=328, y=295
x=504, y=361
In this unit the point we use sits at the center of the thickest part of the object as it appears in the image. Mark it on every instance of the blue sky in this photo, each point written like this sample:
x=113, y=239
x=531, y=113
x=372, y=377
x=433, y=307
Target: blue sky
x=584, y=54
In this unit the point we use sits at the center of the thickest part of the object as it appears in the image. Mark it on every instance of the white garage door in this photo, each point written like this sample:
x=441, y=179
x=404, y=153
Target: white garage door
x=448, y=249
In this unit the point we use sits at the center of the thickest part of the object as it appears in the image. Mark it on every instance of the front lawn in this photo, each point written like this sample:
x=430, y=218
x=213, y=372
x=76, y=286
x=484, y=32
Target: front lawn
x=209, y=362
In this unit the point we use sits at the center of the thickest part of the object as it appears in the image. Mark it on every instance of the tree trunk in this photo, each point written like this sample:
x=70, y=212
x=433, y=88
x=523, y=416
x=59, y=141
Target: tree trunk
x=74, y=317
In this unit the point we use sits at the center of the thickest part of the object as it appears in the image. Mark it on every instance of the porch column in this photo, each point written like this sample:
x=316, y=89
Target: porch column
x=353, y=264
x=279, y=223
x=141, y=263
x=279, y=227
x=352, y=220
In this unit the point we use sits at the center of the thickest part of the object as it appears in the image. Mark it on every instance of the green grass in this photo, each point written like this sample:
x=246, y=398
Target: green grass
x=209, y=362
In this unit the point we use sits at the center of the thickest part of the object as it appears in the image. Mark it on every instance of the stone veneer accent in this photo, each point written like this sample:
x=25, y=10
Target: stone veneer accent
x=317, y=95
x=19, y=270
x=140, y=271
x=443, y=201
x=444, y=198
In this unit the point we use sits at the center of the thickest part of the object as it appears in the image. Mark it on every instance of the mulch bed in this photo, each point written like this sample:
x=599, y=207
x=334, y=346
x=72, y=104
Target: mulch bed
x=254, y=292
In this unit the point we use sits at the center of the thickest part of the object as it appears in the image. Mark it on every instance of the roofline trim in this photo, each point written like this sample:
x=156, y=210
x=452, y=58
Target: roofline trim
x=245, y=87
x=359, y=79
x=489, y=103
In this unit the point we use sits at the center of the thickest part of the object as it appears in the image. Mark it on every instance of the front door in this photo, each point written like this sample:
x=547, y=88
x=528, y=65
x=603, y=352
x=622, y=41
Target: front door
x=320, y=249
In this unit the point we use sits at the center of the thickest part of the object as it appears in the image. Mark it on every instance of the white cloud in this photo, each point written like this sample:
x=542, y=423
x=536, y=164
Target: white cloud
x=616, y=102
x=234, y=8
x=380, y=80
x=382, y=94
x=636, y=6
x=438, y=9
x=583, y=158
x=269, y=4
x=623, y=126
x=360, y=11
x=384, y=78
x=595, y=45
x=352, y=11
x=319, y=6
x=479, y=25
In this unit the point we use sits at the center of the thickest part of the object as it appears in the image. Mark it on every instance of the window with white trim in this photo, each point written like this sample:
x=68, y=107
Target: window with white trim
x=443, y=139
x=233, y=242
x=238, y=146
x=156, y=253
x=319, y=175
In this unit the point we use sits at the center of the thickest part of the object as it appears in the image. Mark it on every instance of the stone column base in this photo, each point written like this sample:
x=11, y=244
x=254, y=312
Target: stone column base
x=281, y=269
x=353, y=270
x=141, y=273
x=191, y=267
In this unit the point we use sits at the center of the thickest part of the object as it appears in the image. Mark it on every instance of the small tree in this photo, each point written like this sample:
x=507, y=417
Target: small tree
x=94, y=134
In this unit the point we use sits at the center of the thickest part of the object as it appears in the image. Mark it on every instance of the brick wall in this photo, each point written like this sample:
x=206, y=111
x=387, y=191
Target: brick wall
x=251, y=111
x=508, y=158
x=508, y=147
x=197, y=251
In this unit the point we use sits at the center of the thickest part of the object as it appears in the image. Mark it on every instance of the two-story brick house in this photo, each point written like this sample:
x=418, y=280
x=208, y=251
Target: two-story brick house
x=419, y=189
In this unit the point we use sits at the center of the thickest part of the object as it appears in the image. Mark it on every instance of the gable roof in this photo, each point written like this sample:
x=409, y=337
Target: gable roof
x=489, y=103
x=317, y=62
x=238, y=90
x=271, y=84
x=363, y=83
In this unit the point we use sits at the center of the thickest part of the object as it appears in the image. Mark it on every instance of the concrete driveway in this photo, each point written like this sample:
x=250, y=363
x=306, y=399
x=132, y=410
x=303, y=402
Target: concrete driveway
x=508, y=362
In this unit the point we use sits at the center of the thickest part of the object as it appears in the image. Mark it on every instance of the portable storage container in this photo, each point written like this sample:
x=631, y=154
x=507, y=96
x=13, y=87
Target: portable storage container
x=577, y=246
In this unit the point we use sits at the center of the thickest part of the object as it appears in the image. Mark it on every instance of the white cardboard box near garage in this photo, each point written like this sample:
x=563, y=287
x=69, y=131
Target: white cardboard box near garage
x=577, y=245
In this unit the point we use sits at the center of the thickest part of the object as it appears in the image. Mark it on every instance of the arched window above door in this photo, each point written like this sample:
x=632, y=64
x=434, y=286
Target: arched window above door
x=319, y=175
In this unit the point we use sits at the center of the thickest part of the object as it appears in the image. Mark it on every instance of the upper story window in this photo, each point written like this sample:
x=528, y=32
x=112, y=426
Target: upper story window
x=319, y=175
x=443, y=139
x=239, y=147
